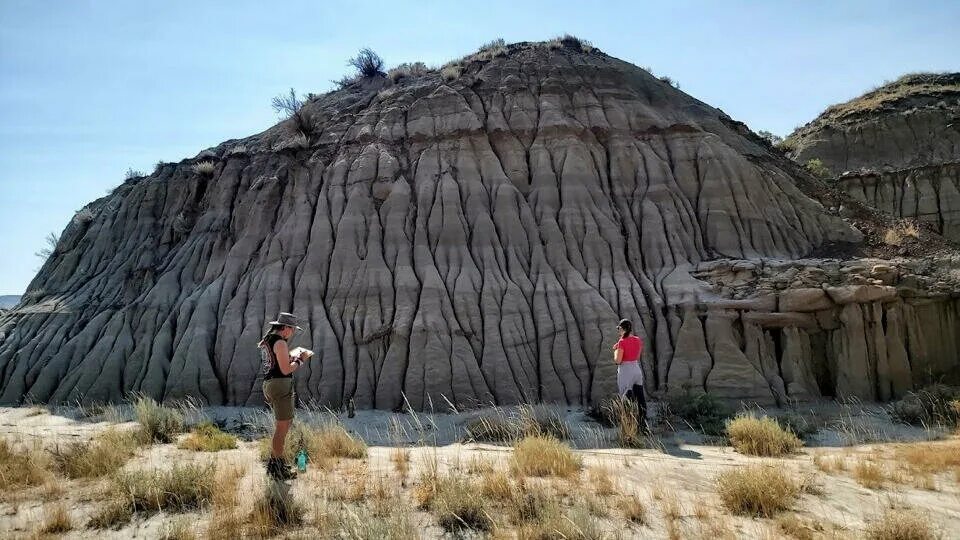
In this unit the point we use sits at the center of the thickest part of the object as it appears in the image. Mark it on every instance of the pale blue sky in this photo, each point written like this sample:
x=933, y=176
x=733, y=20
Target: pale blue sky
x=91, y=88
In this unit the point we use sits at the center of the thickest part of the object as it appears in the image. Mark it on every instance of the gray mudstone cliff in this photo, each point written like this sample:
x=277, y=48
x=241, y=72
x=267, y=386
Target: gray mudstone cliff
x=475, y=239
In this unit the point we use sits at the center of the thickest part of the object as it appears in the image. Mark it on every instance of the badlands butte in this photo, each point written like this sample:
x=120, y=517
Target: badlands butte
x=472, y=234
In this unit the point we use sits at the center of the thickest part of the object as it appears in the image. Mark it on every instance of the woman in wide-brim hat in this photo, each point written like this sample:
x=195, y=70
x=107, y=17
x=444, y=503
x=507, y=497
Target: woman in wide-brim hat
x=278, y=365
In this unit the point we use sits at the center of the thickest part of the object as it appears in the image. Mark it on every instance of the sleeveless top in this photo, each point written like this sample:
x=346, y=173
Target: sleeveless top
x=268, y=359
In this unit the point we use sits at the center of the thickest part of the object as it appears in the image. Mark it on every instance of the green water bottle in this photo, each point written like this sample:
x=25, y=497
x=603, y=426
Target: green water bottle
x=302, y=460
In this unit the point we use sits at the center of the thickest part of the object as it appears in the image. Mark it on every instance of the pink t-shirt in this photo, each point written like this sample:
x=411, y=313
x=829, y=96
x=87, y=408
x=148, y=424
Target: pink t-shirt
x=631, y=346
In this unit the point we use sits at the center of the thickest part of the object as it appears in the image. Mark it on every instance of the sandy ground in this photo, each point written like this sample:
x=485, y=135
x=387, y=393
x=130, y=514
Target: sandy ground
x=680, y=469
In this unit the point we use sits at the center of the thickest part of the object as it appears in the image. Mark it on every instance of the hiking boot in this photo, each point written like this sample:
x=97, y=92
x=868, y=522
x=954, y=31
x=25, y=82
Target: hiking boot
x=278, y=469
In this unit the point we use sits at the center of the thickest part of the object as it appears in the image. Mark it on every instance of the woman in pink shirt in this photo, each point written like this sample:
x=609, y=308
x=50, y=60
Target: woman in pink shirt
x=626, y=354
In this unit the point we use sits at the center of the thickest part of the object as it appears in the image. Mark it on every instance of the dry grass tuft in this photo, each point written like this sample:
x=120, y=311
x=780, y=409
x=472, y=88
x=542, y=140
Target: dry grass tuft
x=361, y=524
x=112, y=514
x=207, y=437
x=901, y=525
x=159, y=423
x=500, y=426
x=203, y=168
x=453, y=501
x=869, y=474
x=599, y=478
x=496, y=486
x=933, y=457
x=401, y=462
x=179, y=489
x=451, y=72
x=756, y=490
x=178, y=530
x=273, y=512
x=633, y=509
x=22, y=469
x=457, y=507
x=761, y=437
x=829, y=464
x=545, y=456
x=321, y=444
x=479, y=465
x=56, y=520
x=794, y=527
x=103, y=455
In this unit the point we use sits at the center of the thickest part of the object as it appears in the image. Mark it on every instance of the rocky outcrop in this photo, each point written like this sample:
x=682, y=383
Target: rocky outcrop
x=868, y=329
x=896, y=148
x=470, y=239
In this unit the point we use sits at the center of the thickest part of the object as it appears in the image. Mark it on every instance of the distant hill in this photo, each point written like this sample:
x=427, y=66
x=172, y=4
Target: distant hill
x=9, y=300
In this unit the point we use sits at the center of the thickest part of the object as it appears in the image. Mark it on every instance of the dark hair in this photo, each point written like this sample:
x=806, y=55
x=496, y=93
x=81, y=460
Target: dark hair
x=273, y=330
x=626, y=325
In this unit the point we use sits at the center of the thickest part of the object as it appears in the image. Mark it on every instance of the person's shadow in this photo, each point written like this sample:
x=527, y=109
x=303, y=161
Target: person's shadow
x=675, y=451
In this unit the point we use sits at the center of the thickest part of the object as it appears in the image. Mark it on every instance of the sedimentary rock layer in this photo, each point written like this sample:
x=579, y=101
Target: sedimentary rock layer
x=930, y=194
x=896, y=148
x=469, y=239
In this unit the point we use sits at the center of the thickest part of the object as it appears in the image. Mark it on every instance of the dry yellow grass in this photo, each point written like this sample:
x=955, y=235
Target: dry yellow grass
x=479, y=465
x=178, y=530
x=794, y=527
x=21, y=469
x=496, y=485
x=829, y=464
x=599, y=479
x=761, y=437
x=352, y=486
x=457, y=507
x=56, y=520
x=273, y=512
x=757, y=490
x=179, y=489
x=633, y=509
x=901, y=525
x=103, y=455
x=322, y=444
x=933, y=457
x=207, y=437
x=544, y=456
x=400, y=458
x=869, y=474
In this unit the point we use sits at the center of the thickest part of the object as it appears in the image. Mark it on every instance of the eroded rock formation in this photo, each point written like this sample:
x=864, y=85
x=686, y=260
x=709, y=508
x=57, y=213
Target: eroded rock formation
x=896, y=148
x=472, y=239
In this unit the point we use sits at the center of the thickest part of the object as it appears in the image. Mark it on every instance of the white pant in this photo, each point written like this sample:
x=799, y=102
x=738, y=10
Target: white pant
x=629, y=374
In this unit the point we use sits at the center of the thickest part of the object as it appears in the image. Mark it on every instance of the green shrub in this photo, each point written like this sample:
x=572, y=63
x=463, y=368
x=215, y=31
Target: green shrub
x=800, y=425
x=931, y=405
x=703, y=412
x=761, y=436
x=817, y=168
x=160, y=424
x=207, y=437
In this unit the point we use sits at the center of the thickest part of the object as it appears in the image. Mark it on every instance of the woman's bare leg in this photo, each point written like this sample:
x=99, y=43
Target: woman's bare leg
x=279, y=436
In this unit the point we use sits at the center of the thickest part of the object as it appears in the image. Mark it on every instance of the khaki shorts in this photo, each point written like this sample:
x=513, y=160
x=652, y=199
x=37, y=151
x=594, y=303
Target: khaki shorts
x=280, y=396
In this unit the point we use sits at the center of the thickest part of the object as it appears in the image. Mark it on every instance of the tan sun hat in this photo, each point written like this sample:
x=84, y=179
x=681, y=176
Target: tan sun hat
x=287, y=319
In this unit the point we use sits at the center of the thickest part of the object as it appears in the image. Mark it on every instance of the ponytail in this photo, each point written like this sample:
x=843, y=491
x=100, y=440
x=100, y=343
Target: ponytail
x=273, y=330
